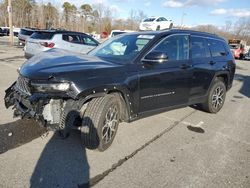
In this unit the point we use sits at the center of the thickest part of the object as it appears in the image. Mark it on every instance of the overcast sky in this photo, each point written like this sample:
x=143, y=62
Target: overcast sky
x=195, y=12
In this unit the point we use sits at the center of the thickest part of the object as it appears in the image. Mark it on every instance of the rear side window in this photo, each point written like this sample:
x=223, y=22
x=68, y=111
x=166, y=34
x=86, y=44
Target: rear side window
x=199, y=47
x=217, y=48
x=26, y=32
x=72, y=38
x=176, y=47
x=42, y=35
x=88, y=41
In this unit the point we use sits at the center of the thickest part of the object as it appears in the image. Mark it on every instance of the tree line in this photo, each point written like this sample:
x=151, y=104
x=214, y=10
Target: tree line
x=86, y=18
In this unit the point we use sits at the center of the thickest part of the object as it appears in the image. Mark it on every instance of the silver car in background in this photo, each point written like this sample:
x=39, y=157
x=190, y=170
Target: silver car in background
x=44, y=40
x=23, y=35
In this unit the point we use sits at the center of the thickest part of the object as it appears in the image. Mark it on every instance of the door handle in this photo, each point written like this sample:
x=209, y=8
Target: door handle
x=185, y=66
x=212, y=62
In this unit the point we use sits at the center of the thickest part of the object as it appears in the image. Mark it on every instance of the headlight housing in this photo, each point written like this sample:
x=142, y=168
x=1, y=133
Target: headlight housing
x=50, y=87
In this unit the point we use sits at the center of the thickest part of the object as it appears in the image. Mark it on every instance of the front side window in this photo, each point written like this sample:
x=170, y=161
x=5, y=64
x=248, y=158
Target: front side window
x=217, y=48
x=176, y=47
x=199, y=47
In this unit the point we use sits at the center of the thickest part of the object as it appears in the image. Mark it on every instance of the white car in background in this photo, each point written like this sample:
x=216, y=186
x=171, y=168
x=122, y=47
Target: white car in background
x=44, y=40
x=156, y=23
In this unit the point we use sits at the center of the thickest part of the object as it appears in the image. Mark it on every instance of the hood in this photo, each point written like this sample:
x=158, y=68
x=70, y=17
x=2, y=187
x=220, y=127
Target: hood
x=60, y=62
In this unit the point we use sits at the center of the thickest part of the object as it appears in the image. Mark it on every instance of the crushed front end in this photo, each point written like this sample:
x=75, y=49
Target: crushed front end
x=45, y=101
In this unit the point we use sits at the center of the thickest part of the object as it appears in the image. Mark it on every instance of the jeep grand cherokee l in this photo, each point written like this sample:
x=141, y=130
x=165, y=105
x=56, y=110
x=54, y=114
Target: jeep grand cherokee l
x=123, y=79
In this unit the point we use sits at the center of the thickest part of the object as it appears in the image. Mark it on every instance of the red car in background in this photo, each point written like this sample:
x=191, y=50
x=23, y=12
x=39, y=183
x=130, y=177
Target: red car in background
x=237, y=47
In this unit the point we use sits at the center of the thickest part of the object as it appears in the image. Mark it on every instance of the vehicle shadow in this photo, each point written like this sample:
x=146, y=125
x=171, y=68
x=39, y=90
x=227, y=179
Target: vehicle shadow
x=63, y=163
x=245, y=88
x=17, y=133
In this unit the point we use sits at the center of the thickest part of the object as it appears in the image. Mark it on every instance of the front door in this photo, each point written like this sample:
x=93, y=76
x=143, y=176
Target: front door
x=166, y=84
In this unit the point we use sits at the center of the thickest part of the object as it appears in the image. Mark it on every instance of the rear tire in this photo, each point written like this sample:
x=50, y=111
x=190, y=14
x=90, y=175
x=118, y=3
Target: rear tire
x=216, y=97
x=100, y=122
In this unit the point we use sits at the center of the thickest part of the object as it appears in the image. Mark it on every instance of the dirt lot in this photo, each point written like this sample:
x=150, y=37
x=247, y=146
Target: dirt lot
x=179, y=148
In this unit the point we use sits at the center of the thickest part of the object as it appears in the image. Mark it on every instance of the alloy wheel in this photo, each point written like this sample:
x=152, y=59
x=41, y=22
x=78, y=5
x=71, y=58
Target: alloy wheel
x=110, y=124
x=218, y=97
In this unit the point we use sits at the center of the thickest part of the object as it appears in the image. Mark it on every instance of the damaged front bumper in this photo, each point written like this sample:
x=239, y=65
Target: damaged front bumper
x=26, y=106
x=38, y=106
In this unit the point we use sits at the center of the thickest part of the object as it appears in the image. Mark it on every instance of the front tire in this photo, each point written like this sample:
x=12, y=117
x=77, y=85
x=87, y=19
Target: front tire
x=100, y=122
x=216, y=97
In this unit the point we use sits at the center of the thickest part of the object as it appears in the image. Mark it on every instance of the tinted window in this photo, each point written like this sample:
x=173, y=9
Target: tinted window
x=217, y=48
x=26, y=32
x=199, y=47
x=42, y=35
x=176, y=47
x=149, y=20
x=72, y=38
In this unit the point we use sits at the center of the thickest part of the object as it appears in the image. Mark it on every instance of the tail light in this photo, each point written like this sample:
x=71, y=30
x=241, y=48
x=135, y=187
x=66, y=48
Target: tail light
x=47, y=44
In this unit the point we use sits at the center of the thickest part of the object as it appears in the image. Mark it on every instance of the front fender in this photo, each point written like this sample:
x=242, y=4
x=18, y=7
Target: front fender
x=126, y=95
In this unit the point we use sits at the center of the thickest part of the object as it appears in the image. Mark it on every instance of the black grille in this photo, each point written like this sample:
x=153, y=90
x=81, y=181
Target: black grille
x=22, y=84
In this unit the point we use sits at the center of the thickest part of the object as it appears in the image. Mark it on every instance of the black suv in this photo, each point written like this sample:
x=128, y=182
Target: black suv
x=127, y=77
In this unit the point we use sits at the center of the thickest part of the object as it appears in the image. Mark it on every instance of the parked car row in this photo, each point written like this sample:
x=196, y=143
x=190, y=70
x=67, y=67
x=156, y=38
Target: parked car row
x=5, y=31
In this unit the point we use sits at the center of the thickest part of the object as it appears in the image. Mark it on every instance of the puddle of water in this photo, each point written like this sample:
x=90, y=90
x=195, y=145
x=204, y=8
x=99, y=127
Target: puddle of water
x=238, y=97
x=195, y=129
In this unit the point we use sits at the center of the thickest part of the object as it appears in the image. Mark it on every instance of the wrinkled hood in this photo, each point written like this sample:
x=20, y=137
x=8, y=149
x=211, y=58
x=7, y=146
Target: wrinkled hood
x=59, y=62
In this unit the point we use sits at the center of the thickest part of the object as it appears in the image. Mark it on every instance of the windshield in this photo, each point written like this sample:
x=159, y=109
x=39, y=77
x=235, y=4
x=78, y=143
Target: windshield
x=122, y=49
x=149, y=20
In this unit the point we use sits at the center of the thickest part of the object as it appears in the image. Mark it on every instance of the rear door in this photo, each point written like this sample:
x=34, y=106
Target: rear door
x=202, y=66
x=165, y=23
x=72, y=42
x=167, y=84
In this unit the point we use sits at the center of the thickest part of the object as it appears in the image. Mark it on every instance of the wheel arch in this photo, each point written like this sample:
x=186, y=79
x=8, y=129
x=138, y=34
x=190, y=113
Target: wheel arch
x=224, y=77
x=86, y=96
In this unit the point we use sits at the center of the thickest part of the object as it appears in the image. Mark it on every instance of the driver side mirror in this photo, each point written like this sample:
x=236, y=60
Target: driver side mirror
x=155, y=57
